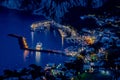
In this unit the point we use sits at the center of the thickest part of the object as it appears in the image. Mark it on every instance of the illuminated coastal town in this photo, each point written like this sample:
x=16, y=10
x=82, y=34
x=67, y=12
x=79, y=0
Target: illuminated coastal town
x=57, y=47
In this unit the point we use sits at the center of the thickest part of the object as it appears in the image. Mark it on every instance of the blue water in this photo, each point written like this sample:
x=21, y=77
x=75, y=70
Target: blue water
x=11, y=56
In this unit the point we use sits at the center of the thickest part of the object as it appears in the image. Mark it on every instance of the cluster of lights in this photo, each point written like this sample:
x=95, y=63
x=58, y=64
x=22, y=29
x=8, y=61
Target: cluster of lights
x=25, y=43
x=34, y=26
x=105, y=72
x=71, y=53
x=89, y=40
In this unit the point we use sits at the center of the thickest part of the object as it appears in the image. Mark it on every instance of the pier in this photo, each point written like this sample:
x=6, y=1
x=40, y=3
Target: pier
x=24, y=46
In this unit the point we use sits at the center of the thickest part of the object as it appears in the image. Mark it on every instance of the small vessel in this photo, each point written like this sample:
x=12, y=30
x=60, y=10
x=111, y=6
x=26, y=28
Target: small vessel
x=38, y=46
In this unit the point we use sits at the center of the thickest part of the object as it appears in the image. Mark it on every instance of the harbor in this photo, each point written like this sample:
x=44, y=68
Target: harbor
x=59, y=40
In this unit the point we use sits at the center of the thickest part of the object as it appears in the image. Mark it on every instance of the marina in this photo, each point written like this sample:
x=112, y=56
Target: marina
x=59, y=40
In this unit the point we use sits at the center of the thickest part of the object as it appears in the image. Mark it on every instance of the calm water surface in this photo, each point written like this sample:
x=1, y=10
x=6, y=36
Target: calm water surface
x=11, y=57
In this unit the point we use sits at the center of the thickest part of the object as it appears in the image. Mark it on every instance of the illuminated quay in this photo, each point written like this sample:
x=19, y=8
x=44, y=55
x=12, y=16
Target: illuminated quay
x=89, y=49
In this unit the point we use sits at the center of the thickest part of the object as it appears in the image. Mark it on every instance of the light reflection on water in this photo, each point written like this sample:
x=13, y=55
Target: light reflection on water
x=37, y=57
x=50, y=40
x=32, y=37
x=26, y=53
x=62, y=40
x=43, y=37
x=11, y=54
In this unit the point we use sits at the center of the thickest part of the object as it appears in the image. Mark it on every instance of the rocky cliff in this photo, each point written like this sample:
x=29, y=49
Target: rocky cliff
x=54, y=9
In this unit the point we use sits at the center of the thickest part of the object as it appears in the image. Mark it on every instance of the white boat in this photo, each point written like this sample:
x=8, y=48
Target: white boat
x=38, y=46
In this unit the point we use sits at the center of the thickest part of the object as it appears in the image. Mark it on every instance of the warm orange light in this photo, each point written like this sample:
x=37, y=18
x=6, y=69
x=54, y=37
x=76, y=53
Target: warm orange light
x=80, y=57
x=25, y=43
x=26, y=53
x=89, y=40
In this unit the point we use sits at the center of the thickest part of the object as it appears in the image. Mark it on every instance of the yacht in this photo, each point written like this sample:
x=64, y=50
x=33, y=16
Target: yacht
x=38, y=46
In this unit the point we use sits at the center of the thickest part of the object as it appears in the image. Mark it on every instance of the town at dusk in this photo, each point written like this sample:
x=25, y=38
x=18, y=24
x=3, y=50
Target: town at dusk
x=59, y=39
